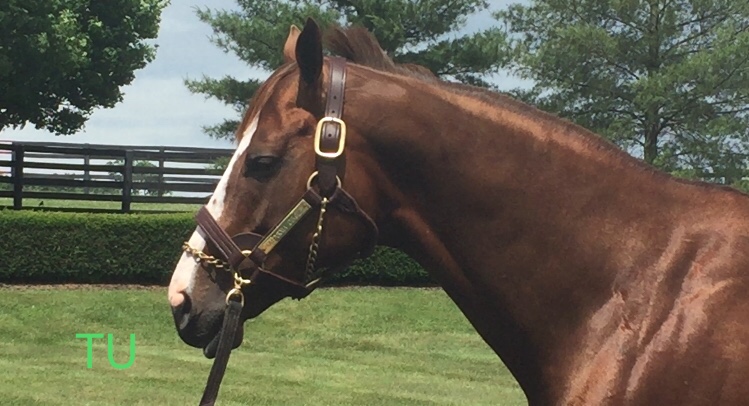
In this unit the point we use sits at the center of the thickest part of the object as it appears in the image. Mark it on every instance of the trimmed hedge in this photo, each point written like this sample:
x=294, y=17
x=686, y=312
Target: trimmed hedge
x=53, y=247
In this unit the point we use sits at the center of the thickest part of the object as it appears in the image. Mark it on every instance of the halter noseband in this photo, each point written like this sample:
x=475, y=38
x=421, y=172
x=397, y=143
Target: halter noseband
x=247, y=251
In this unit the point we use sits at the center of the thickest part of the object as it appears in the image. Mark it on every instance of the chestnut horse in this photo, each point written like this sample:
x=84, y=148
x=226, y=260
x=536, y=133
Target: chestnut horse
x=596, y=279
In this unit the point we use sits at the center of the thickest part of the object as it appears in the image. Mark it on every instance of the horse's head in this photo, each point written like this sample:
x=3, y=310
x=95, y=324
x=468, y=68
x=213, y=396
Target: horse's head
x=295, y=199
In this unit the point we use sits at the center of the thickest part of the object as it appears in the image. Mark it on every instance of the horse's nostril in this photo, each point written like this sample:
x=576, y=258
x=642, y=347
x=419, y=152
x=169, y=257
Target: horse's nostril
x=182, y=312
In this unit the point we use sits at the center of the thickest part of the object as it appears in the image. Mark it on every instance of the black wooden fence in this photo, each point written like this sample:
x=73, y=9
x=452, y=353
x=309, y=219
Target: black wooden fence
x=106, y=173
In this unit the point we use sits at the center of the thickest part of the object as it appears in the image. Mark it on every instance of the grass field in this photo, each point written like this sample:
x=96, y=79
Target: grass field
x=353, y=346
x=83, y=204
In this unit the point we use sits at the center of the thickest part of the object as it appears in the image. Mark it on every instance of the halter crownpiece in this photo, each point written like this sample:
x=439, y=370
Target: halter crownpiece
x=246, y=253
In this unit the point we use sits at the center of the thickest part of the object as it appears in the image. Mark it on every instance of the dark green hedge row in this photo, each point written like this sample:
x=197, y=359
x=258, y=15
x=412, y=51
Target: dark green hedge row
x=52, y=247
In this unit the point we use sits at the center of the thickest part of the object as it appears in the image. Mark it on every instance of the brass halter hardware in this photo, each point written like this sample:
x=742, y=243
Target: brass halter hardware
x=203, y=258
x=314, y=175
x=312, y=256
x=318, y=138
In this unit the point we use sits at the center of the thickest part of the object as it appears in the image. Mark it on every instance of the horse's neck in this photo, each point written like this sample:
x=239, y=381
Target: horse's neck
x=525, y=226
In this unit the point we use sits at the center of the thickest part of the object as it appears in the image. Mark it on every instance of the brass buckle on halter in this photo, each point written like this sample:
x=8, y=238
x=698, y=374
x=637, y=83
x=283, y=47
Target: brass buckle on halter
x=318, y=137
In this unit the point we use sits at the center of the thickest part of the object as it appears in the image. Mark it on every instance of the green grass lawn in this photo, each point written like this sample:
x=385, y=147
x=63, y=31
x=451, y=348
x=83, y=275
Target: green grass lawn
x=353, y=346
x=84, y=204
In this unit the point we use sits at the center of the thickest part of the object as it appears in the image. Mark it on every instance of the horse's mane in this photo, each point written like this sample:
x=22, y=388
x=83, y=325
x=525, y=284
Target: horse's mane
x=359, y=46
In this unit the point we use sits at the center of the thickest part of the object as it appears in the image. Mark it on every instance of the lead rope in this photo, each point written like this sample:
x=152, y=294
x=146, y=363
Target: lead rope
x=226, y=340
x=234, y=310
x=228, y=332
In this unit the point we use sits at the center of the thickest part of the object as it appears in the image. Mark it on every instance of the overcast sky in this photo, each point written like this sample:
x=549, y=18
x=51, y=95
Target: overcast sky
x=157, y=108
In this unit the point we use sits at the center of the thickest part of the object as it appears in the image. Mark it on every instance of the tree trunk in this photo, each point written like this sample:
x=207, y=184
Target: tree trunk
x=652, y=118
x=651, y=143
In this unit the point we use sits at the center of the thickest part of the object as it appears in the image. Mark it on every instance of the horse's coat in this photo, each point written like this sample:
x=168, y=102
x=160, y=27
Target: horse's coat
x=597, y=279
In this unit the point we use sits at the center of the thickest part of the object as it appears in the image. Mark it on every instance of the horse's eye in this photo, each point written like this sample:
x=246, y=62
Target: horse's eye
x=261, y=167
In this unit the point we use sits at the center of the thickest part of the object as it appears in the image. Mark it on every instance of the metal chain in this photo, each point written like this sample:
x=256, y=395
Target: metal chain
x=200, y=256
x=312, y=257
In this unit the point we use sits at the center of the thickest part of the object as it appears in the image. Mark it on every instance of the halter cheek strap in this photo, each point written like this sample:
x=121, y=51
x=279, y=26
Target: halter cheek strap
x=330, y=137
x=245, y=253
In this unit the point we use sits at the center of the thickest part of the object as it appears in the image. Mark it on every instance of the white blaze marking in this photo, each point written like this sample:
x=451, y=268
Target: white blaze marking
x=183, y=277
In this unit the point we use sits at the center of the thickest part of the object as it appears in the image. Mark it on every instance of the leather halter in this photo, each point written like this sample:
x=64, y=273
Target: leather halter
x=245, y=253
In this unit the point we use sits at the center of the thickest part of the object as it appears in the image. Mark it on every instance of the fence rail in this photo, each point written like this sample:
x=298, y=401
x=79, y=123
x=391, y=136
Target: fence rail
x=110, y=173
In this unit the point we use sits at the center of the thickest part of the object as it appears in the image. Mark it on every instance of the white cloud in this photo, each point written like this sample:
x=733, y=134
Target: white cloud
x=157, y=108
x=155, y=111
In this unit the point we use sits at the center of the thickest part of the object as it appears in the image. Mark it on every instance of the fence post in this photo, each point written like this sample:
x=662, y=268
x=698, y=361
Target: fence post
x=161, y=171
x=127, y=181
x=86, y=171
x=17, y=176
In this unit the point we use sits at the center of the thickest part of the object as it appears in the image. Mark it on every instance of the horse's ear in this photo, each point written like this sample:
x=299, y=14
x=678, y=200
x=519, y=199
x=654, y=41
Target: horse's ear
x=289, y=49
x=309, y=53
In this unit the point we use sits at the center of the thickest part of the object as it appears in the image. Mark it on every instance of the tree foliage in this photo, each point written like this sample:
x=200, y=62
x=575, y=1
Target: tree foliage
x=423, y=32
x=666, y=79
x=60, y=59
